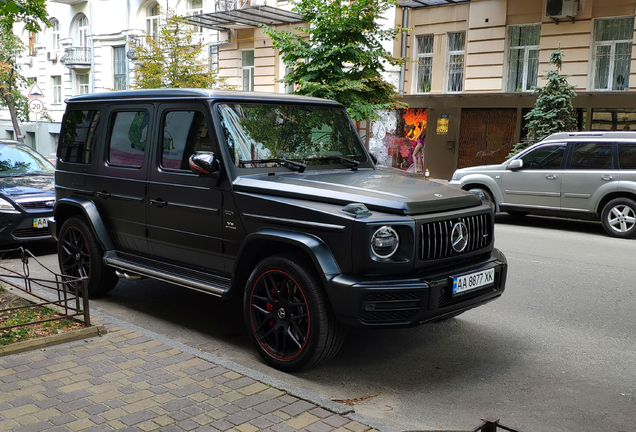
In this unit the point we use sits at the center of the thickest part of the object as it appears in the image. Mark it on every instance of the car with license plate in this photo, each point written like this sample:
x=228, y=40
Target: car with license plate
x=27, y=194
x=583, y=175
x=270, y=199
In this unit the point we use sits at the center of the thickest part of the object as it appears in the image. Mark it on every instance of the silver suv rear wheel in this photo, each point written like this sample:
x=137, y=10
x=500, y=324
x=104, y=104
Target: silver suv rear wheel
x=619, y=217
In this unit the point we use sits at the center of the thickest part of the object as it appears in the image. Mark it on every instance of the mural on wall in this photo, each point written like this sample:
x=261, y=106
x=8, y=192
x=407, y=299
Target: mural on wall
x=397, y=139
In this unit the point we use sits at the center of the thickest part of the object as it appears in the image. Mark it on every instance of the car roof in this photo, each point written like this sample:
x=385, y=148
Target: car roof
x=592, y=134
x=190, y=93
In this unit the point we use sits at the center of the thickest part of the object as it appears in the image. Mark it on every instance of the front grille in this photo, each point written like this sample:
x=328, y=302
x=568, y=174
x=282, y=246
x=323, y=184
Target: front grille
x=31, y=232
x=389, y=307
x=446, y=297
x=435, y=237
x=35, y=205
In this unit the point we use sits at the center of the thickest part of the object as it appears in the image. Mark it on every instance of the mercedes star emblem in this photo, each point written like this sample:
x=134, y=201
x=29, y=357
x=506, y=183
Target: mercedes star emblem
x=459, y=237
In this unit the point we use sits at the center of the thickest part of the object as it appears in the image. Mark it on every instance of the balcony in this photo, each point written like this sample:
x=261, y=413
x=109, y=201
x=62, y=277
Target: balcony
x=77, y=58
x=244, y=13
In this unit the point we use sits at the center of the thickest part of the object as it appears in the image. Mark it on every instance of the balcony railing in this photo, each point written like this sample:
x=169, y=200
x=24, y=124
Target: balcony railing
x=77, y=57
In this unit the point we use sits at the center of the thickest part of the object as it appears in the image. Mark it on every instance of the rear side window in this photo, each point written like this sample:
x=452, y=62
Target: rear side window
x=184, y=133
x=592, y=156
x=128, y=138
x=626, y=156
x=78, y=136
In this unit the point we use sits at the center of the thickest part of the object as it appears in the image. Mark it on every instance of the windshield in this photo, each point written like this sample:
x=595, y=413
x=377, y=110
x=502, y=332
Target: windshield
x=22, y=160
x=259, y=134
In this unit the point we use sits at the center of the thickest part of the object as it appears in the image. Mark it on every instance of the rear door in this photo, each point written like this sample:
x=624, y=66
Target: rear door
x=591, y=173
x=538, y=183
x=184, y=209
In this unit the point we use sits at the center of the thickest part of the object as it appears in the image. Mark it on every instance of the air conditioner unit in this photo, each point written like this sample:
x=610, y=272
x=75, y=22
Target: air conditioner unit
x=561, y=8
x=51, y=56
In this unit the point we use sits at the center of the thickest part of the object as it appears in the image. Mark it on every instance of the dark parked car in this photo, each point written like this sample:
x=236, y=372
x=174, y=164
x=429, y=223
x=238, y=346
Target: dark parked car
x=27, y=193
x=271, y=199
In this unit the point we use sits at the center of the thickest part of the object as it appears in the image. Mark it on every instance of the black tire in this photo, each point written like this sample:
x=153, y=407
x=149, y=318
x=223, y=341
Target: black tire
x=80, y=255
x=486, y=192
x=619, y=218
x=288, y=316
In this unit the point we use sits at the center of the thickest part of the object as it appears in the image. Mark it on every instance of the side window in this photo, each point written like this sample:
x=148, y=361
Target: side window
x=184, y=133
x=626, y=156
x=592, y=156
x=78, y=136
x=128, y=138
x=545, y=157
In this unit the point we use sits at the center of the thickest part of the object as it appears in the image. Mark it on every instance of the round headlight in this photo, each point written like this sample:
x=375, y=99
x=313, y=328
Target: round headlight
x=385, y=242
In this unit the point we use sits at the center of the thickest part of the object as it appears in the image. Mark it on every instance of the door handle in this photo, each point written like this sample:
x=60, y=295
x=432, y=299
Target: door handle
x=552, y=176
x=103, y=194
x=607, y=177
x=158, y=202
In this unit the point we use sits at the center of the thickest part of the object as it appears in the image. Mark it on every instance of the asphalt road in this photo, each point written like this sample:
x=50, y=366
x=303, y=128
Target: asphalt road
x=556, y=353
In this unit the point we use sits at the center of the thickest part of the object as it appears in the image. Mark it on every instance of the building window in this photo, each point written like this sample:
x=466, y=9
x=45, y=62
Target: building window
x=247, y=64
x=82, y=27
x=57, y=89
x=195, y=7
x=214, y=57
x=55, y=34
x=32, y=50
x=152, y=21
x=455, y=61
x=82, y=84
x=523, y=57
x=119, y=67
x=424, y=44
x=613, y=40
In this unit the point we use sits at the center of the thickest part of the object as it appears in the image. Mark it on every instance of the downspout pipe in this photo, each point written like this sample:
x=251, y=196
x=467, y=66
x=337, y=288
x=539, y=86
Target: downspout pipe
x=405, y=21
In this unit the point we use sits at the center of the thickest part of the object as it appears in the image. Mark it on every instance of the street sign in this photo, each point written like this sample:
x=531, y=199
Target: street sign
x=35, y=91
x=36, y=106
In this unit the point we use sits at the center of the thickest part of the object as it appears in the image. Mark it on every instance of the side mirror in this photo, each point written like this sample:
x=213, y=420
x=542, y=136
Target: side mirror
x=515, y=164
x=203, y=163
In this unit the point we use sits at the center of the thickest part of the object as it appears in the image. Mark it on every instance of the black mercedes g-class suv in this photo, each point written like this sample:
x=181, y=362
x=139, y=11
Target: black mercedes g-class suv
x=272, y=199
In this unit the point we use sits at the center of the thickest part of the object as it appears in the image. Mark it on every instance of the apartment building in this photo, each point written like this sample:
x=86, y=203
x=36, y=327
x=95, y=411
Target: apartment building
x=474, y=65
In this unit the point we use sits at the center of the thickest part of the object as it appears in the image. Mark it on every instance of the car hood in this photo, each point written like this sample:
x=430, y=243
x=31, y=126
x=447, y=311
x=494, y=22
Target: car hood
x=390, y=191
x=30, y=185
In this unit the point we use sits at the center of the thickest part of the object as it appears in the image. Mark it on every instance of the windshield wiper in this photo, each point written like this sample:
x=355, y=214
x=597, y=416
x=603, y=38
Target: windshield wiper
x=289, y=163
x=354, y=163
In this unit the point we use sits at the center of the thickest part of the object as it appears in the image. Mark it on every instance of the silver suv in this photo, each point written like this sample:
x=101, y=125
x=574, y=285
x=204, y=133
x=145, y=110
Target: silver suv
x=584, y=175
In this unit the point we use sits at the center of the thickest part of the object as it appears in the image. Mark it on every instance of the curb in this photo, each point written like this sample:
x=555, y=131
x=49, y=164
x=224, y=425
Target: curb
x=38, y=343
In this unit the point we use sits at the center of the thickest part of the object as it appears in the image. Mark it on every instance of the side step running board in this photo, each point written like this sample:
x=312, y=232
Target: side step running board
x=199, y=281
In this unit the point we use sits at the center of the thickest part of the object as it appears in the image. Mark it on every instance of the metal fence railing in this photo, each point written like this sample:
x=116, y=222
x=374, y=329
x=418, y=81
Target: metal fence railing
x=70, y=300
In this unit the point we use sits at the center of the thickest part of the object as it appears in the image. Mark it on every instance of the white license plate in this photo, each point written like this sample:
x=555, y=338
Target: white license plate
x=40, y=222
x=473, y=281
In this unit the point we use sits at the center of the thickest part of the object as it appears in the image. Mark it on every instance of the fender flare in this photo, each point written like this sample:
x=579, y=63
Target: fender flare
x=316, y=249
x=88, y=208
x=486, y=181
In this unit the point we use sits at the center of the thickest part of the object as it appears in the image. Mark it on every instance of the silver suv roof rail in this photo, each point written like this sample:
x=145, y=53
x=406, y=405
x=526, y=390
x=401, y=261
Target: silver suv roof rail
x=591, y=134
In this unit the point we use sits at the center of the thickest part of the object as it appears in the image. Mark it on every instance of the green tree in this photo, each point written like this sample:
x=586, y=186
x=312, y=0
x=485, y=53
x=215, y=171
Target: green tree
x=553, y=110
x=11, y=81
x=340, y=56
x=30, y=12
x=174, y=59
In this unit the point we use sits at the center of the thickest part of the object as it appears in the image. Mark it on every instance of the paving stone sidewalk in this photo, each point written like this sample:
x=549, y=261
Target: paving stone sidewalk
x=124, y=381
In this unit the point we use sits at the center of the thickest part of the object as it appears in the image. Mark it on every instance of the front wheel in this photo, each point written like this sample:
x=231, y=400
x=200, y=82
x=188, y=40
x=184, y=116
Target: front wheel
x=483, y=193
x=288, y=316
x=80, y=255
x=619, y=218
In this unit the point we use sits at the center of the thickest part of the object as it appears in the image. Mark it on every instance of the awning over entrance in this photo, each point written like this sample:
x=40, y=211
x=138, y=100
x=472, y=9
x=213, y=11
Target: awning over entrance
x=423, y=3
x=251, y=16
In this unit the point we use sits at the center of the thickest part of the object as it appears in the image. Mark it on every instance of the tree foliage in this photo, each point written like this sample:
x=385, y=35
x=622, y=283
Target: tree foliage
x=553, y=110
x=174, y=59
x=340, y=55
x=11, y=80
x=29, y=12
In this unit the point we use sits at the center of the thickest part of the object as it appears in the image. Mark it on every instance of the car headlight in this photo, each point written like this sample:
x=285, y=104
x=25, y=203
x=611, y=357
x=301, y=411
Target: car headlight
x=6, y=205
x=385, y=242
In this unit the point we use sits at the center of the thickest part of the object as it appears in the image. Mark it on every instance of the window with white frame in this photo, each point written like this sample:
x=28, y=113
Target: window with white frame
x=55, y=34
x=119, y=67
x=523, y=57
x=56, y=82
x=424, y=47
x=152, y=21
x=247, y=65
x=195, y=7
x=455, y=61
x=213, y=54
x=613, y=39
x=82, y=30
x=83, y=84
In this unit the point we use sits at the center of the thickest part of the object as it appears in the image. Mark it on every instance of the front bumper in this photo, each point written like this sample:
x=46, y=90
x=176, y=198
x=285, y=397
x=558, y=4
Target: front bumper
x=17, y=227
x=409, y=300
